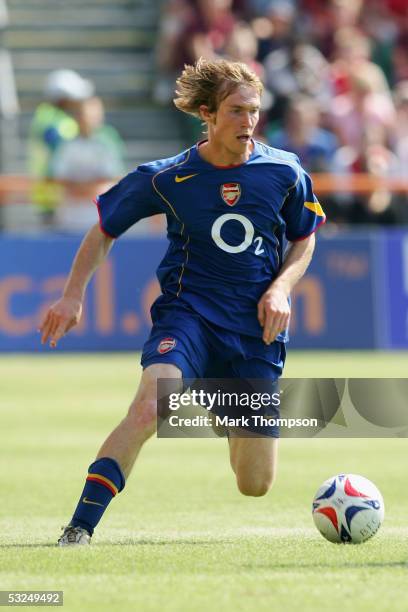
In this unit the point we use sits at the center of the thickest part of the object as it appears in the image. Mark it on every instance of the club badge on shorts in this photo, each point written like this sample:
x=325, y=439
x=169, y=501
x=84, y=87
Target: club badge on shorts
x=166, y=345
x=230, y=193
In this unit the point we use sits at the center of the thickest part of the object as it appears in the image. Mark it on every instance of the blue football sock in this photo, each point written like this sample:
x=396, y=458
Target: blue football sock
x=105, y=479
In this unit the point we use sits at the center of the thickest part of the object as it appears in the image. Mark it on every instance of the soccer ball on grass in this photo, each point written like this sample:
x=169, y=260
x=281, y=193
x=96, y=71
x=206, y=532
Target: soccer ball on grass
x=348, y=508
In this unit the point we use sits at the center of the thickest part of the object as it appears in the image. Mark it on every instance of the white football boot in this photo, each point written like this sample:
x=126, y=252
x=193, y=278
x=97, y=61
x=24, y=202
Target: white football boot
x=74, y=536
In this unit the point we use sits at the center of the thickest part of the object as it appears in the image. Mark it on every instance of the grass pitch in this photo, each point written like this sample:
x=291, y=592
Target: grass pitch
x=180, y=537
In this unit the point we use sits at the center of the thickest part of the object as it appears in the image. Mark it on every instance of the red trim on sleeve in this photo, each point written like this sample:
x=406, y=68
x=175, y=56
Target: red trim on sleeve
x=96, y=202
x=322, y=222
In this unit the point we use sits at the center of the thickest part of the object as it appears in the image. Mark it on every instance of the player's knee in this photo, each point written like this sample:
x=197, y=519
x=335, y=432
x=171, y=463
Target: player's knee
x=142, y=416
x=254, y=486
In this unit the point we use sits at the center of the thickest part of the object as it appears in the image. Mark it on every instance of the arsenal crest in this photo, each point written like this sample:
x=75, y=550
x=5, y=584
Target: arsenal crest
x=166, y=345
x=230, y=193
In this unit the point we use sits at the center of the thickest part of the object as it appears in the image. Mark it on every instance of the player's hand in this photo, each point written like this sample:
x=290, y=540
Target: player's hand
x=273, y=313
x=59, y=319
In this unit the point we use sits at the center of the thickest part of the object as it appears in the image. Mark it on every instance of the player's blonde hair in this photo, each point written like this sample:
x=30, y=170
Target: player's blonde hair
x=209, y=82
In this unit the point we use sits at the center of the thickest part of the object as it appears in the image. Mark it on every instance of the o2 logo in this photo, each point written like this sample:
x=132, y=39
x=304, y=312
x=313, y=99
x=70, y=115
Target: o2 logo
x=248, y=238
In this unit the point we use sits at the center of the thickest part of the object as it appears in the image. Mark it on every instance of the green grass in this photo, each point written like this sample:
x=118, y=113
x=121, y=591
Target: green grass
x=180, y=537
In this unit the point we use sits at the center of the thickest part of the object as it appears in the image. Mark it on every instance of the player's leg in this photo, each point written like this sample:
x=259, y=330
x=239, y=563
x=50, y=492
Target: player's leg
x=254, y=451
x=174, y=349
x=175, y=346
x=126, y=440
x=114, y=461
x=254, y=461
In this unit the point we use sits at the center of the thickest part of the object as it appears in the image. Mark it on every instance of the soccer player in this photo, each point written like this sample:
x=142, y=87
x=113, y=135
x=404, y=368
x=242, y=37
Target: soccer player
x=232, y=205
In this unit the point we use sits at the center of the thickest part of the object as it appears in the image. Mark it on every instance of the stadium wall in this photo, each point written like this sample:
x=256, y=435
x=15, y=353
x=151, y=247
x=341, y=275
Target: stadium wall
x=354, y=296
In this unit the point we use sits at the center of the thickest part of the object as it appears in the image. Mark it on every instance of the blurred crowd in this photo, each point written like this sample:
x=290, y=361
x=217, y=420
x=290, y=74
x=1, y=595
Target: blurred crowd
x=336, y=83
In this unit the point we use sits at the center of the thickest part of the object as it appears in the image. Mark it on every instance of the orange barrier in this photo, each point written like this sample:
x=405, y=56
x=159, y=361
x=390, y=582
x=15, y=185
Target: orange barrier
x=357, y=183
x=15, y=187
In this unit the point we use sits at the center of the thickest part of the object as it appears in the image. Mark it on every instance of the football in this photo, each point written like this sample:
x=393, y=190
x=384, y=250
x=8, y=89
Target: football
x=348, y=508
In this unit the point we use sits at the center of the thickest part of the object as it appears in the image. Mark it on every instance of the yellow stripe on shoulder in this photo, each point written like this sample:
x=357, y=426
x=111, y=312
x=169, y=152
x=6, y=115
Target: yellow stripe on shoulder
x=315, y=207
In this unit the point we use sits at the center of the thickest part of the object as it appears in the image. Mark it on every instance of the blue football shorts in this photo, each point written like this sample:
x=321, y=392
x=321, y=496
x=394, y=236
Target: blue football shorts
x=201, y=349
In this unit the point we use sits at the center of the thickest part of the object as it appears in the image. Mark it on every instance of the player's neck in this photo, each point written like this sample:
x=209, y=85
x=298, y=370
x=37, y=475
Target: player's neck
x=218, y=155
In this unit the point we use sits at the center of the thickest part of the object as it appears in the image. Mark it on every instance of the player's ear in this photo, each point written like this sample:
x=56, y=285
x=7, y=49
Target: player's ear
x=205, y=114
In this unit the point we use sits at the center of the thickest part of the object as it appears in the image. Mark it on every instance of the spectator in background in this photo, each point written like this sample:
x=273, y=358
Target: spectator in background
x=380, y=24
x=363, y=117
x=380, y=206
x=242, y=46
x=176, y=15
x=303, y=135
x=367, y=105
x=275, y=30
x=351, y=49
x=52, y=124
x=326, y=17
x=300, y=68
x=87, y=164
x=400, y=57
x=376, y=159
x=95, y=154
x=208, y=31
x=400, y=139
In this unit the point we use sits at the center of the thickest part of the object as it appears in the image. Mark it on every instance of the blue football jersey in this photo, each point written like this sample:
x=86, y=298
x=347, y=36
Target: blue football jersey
x=227, y=226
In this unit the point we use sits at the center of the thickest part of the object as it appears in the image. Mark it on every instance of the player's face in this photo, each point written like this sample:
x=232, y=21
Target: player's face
x=231, y=127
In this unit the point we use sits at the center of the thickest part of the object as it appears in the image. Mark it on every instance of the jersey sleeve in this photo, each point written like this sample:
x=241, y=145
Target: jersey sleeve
x=127, y=202
x=302, y=211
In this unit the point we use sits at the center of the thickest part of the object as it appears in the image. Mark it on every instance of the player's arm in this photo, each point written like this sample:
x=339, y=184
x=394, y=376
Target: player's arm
x=302, y=214
x=273, y=307
x=66, y=312
x=119, y=208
